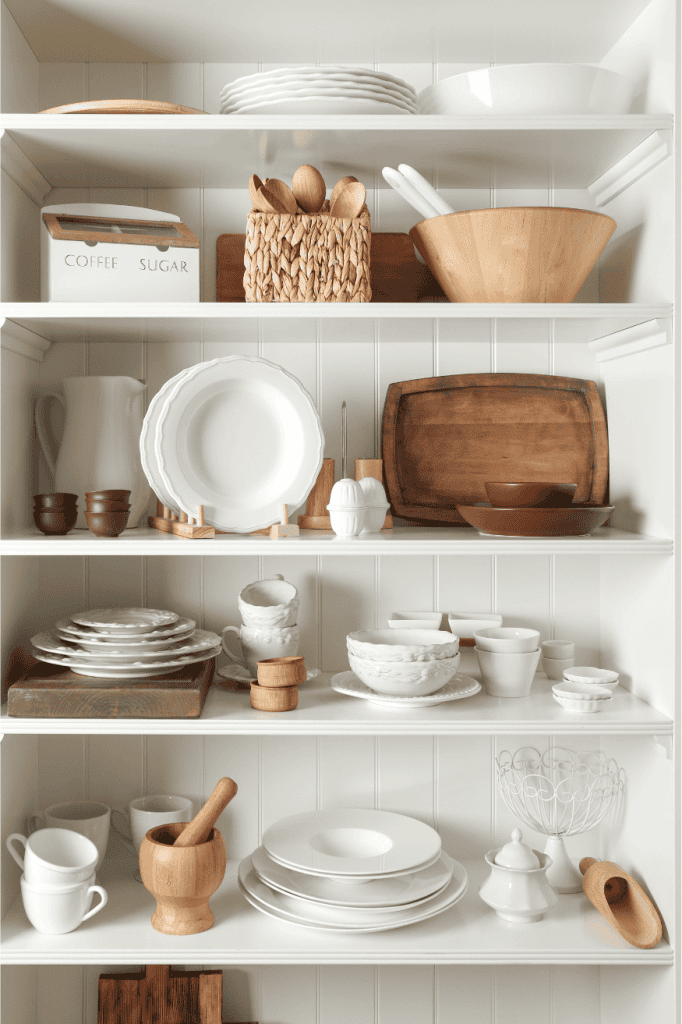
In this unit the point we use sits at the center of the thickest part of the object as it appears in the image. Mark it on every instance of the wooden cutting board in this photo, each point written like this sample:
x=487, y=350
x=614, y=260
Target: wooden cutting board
x=397, y=274
x=444, y=437
x=160, y=995
x=36, y=689
x=122, y=107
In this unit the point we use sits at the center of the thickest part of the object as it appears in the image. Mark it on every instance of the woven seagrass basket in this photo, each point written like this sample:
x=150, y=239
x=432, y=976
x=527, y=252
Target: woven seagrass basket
x=307, y=257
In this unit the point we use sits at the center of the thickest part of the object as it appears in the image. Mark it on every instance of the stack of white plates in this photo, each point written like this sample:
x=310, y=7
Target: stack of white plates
x=351, y=870
x=239, y=436
x=319, y=90
x=125, y=643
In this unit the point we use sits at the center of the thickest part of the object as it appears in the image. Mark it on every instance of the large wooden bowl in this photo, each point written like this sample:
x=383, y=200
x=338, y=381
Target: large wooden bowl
x=513, y=254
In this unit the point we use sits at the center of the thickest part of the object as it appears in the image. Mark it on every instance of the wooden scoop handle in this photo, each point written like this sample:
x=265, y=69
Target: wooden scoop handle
x=586, y=863
x=200, y=826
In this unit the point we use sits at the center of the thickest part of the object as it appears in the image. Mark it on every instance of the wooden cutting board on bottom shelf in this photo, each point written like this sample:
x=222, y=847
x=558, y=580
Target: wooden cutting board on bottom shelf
x=444, y=437
x=160, y=995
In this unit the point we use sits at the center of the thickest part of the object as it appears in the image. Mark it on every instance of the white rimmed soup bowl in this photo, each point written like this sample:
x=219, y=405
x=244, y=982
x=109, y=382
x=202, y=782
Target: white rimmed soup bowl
x=507, y=640
x=402, y=644
x=404, y=678
x=507, y=674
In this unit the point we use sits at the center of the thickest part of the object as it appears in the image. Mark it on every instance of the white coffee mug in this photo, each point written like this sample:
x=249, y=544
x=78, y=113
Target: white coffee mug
x=269, y=603
x=56, y=910
x=83, y=816
x=259, y=643
x=147, y=812
x=54, y=857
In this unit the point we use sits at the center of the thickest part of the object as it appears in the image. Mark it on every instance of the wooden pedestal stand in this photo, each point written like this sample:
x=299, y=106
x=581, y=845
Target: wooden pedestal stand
x=316, y=516
x=160, y=995
x=375, y=468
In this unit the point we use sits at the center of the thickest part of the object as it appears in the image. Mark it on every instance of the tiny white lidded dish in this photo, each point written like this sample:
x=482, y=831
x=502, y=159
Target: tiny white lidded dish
x=592, y=676
x=377, y=506
x=347, y=508
x=517, y=888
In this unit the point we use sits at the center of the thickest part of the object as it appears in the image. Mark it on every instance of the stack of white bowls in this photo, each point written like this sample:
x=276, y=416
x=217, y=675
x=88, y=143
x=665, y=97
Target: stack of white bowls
x=508, y=657
x=351, y=870
x=557, y=655
x=403, y=662
x=319, y=90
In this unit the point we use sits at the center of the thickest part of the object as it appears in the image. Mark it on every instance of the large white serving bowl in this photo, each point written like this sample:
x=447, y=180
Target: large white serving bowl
x=507, y=640
x=507, y=674
x=404, y=678
x=402, y=644
x=530, y=89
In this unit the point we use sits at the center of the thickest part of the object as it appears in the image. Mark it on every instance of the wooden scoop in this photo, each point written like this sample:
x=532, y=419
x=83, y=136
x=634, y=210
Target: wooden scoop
x=622, y=901
x=309, y=188
x=339, y=187
x=254, y=184
x=282, y=193
x=349, y=201
x=200, y=826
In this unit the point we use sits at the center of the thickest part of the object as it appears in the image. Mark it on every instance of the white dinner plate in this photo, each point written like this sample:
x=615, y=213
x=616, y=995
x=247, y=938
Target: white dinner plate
x=320, y=105
x=126, y=621
x=337, y=80
x=200, y=640
x=140, y=671
x=318, y=71
x=179, y=628
x=352, y=842
x=312, y=915
x=138, y=647
x=242, y=437
x=148, y=437
x=386, y=893
x=297, y=90
x=460, y=686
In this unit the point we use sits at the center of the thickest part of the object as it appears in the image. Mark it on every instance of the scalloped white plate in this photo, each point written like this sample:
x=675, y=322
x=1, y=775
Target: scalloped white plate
x=139, y=671
x=125, y=620
x=460, y=686
x=81, y=633
x=200, y=640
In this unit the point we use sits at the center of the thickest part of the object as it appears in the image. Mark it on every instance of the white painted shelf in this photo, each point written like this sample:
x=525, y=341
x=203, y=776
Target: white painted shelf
x=324, y=712
x=214, y=151
x=573, y=932
x=403, y=540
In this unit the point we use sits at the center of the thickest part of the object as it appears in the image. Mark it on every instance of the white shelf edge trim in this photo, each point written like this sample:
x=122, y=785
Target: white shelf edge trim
x=20, y=169
x=642, y=159
x=16, y=338
x=651, y=334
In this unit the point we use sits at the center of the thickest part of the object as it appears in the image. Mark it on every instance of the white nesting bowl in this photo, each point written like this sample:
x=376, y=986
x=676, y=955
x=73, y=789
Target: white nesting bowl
x=581, y=691
x=404, y=678
x=558, y=650
x=507, y=673
x=507, y=640
x=581, y=707
x=554, y=667
x=592, y=676
x=402, y=644
x=530, y=89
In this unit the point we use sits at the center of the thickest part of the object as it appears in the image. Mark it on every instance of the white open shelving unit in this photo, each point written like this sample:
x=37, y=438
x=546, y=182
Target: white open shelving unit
x=616, y=592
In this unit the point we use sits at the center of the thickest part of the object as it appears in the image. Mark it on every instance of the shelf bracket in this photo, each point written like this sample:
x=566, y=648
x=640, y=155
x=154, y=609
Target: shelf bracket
x=22, y=172
x=642, y=159
x=19, y=339
x=665, y=746
x=650, y=334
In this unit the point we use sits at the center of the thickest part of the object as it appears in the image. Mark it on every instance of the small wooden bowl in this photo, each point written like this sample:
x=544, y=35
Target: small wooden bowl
x=107, y=524
x=276, y=672
x=55, y=522
x=93, y=505
x=274, y=698
x=538, y=494
x=55, y=500
x=108, y=495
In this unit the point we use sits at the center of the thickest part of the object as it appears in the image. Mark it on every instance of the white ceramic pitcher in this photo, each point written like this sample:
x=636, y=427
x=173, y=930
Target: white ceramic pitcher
x=100, y=446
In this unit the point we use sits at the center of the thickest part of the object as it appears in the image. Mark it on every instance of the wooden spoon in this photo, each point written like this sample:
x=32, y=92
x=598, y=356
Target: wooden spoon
x=199, y=828
x=349, y=201
x=254, y=184
x=309, y=188
x=282, y=193
x=339, y=187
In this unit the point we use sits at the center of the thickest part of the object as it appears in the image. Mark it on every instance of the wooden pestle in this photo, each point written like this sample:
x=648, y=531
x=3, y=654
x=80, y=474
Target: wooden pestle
x=200, y=826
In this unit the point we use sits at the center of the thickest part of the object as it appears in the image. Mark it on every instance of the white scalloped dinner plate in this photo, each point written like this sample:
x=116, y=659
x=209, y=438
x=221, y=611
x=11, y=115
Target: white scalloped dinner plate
x=125, y=620
x=317, y=71
x=460, y=686
x=178, y=629
x=138, y=671
x=233, y=105
x=312, y=915
x=322, y=105
x=381, y=893
x=242, y=437
x=148, y=437
x=200, y=640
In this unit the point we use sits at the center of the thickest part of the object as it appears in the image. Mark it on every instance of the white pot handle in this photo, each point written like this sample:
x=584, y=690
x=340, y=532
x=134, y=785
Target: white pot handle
x=100, y=906
x=40, y=427
x=235, y=661
x=8, y=844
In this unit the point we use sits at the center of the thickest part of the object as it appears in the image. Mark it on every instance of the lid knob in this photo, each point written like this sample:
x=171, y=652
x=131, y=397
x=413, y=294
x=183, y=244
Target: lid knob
x=517, y=854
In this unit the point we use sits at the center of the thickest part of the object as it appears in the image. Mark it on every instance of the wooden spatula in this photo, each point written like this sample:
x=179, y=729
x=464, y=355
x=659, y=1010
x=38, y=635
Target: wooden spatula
x=200, y=826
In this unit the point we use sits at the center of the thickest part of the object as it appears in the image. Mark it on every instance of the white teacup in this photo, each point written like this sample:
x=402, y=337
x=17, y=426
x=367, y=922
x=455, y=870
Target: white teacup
x=147, y=812
x=259, y=643
x=54, y=857
x=56, y=910
x=269, y=603
x=83, y=816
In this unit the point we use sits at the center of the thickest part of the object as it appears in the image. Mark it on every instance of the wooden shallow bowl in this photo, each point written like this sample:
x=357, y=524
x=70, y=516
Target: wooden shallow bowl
x=577, y=521
x=529, y=495
x=277, y=672
x=107, y=495
x=274, y=698
x=514, y=253
x=93, y=505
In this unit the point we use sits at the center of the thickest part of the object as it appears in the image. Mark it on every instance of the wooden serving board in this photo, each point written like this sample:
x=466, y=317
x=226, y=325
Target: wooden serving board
x=122, y=107
x=35, y=689
x=160, y=995
x=444, y=437
x=397, y=275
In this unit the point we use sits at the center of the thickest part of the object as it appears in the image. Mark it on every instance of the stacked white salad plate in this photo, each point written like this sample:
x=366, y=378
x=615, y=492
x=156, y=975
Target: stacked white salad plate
x=351, y=870
x=319, y=90
x=239, y=436
x=125, y=643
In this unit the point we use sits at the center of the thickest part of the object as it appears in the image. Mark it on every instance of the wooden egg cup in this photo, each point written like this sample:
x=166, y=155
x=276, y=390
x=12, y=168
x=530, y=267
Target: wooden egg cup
x=279, y=672
x=622, y=901
x=274, y=698
x=181, y=879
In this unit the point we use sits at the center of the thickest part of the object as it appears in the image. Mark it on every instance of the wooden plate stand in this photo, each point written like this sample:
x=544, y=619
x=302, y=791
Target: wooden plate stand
x=194, y=528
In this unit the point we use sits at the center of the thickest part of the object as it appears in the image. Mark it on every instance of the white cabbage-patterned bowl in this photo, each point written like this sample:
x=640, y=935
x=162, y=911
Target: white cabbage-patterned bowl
x=402, y=645
x=404, y=678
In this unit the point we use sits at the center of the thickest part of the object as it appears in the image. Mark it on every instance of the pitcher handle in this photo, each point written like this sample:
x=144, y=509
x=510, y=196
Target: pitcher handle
x=232, y=629
x=40, y=427
x=8, y=844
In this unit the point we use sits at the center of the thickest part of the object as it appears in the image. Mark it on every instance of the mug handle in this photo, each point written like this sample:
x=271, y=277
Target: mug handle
x=40, y=427
x=124, y=836
x=8, y=844
x=232, y=629
x=34, y=822
x=104, y=899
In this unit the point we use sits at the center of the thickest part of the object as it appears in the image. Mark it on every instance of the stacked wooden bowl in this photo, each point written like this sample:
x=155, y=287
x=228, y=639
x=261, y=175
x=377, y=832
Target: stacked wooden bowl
x=107, y=512
x=278, y=681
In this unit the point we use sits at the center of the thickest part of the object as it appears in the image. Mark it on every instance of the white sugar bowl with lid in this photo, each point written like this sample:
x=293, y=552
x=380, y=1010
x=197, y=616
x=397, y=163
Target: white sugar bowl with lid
x=376, y=504
x=517, y=888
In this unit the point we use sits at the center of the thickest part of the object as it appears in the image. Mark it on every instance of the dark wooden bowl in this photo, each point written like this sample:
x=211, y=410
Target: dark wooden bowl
x=107, y=524
x=107, y=495
x=540, y=494
x=92, y=505
x=55, y=521
x=577, y=521
x=55, y=500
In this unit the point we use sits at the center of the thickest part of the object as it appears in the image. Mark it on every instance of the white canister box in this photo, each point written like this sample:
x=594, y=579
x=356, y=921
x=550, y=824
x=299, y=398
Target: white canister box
x=94, y=252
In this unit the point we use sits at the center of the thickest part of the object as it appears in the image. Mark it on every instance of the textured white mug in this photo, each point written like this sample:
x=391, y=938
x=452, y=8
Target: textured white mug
x=147, y=812
x=83, y=816
x=261, y=642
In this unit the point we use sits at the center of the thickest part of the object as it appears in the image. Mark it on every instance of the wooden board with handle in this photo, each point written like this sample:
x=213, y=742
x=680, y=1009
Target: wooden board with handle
x=160, y=995
x=397, y=274
x=444, y=437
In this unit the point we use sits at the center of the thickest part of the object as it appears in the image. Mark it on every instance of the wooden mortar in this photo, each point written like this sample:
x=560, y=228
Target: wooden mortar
x=289, y=671
x=622, y=901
